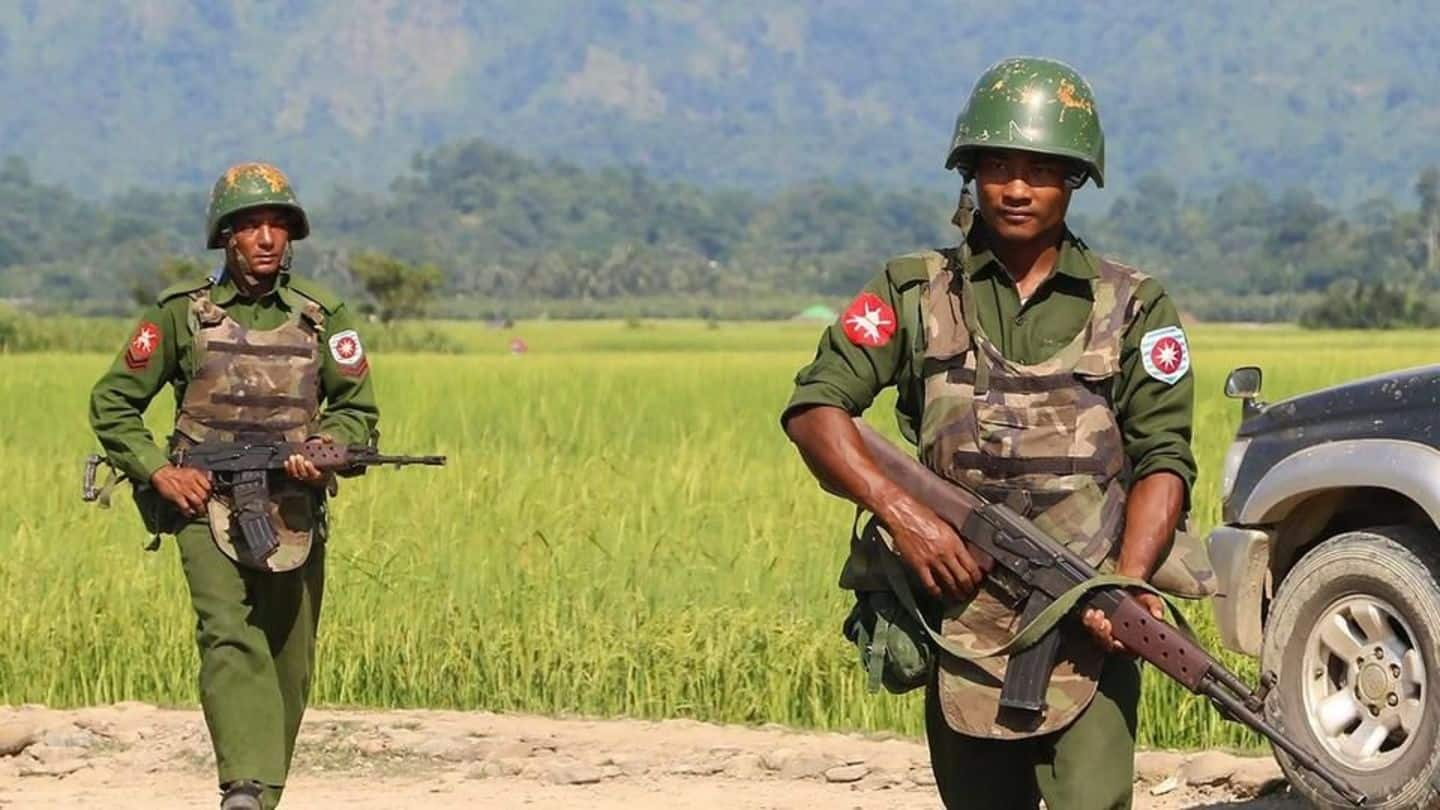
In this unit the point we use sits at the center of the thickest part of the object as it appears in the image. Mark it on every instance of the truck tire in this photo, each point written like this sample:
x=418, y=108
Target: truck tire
x=1352, y=637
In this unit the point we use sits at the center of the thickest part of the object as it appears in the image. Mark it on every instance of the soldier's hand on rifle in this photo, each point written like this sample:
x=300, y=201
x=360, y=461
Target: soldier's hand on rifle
x=1100, y=628
x=303, y=469
x=833, y=449
x=932, y=549
x=186, y=487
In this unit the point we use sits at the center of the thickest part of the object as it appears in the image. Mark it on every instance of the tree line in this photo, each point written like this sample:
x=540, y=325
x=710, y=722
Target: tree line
x=495, y=231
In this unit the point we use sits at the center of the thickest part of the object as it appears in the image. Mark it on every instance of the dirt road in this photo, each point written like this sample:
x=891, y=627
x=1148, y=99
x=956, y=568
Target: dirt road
x=134, y=756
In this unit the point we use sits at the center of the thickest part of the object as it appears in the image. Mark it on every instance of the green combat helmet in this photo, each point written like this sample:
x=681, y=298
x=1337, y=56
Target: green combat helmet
x=1038, y=105
x=251, y=185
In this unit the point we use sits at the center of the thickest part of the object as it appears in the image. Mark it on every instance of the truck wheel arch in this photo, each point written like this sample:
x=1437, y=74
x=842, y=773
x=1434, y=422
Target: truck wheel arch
x=1341, y=486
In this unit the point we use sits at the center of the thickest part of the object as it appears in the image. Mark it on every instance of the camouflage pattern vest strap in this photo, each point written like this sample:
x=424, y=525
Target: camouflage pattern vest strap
x=260, y=383
x=1044, y=439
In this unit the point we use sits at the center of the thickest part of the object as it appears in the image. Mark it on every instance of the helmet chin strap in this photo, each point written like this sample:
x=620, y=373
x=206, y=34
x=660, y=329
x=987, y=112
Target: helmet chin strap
x=964, y=217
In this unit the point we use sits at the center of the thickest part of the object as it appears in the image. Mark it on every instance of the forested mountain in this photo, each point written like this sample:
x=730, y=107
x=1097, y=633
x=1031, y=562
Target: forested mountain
x=1338, y=96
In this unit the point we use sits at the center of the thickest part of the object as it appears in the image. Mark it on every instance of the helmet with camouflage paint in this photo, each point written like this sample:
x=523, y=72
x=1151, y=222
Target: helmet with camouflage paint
x=1032, y=104
x=251, y=185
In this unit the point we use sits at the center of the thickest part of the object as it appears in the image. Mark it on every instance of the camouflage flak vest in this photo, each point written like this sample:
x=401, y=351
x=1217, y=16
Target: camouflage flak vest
x=1043, y=439
x=256, y=384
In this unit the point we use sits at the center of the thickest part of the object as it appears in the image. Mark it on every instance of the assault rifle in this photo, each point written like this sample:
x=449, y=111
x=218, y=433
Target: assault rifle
x=243, y=469
x=1022, y=559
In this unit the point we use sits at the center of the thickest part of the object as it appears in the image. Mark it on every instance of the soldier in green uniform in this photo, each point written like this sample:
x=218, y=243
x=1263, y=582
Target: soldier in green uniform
x=1046, y=377
x=252, y=352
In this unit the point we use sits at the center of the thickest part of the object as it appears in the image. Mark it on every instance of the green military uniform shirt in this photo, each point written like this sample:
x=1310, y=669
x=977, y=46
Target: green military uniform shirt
x=162, y=351
x=1154, y=414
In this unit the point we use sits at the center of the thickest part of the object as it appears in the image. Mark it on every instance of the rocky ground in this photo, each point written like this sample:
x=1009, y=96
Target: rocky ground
x=133, y=756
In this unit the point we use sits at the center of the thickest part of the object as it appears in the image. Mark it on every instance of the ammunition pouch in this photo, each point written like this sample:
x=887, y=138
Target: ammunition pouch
x=1186, y=571
x=159, y=515
x=895, y=650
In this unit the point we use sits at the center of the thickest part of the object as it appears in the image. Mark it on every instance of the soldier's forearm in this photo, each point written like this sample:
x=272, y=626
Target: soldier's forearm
x=138, y=460
x=346, y=427
x=833, y=450
x=122, y=432
x=1152, y=514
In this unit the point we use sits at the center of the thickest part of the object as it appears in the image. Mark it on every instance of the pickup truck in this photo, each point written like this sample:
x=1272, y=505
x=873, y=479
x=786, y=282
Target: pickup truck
x=1328, y=561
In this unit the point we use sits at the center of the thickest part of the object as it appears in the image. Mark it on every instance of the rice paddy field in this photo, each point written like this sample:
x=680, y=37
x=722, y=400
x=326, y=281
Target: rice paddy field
x=622, y=530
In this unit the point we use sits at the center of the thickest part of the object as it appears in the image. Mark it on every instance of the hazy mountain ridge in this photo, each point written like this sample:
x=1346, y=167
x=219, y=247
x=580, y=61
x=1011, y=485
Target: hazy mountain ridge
x=1336, y=96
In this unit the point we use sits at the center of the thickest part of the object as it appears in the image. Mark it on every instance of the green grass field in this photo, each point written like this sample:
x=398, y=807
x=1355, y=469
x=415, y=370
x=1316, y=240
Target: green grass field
x=622, y=530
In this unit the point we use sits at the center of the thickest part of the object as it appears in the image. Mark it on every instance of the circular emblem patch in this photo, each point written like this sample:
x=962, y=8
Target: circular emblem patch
x=1165, y=354
x=348, y=352
x=868, y=321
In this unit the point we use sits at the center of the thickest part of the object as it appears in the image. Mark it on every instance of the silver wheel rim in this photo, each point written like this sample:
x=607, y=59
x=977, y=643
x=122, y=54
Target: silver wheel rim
x=1364, y=682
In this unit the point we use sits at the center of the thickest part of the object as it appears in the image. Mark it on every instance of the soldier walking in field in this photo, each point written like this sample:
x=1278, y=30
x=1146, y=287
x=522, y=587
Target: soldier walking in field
x=252, y=354
x=1047, y=378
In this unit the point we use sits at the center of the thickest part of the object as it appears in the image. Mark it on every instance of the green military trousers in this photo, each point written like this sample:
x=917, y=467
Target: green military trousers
x=1088, y=765
x=256, y=634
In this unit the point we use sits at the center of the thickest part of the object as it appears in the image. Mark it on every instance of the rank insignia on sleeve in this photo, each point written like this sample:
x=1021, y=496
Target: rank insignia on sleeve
x=144, y=343
x=348, y=353
x=1165, y=354
x=868, y=321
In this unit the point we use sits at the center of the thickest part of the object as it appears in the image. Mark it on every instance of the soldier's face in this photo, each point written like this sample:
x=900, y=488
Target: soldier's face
x=1021, y=195
x=259, y=238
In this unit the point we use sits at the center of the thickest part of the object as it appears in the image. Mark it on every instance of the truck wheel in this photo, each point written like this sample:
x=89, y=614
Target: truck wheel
x=1353, y=635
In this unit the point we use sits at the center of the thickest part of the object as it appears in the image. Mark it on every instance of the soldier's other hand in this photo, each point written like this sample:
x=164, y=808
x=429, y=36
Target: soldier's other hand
x=186, y=487
x=1100, y=627
x=303, y=469
x=932, y=550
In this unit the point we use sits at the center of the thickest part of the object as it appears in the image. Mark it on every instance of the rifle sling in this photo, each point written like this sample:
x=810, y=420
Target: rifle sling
x=875, y=672
x=1030, y=633
x=113, y=479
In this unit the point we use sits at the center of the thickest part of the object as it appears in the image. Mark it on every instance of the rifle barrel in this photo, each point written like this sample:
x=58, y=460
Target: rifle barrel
x=432, y=461
x=1234, y=705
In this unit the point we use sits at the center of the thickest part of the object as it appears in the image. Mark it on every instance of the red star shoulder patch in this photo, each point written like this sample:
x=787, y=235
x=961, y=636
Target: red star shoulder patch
x=348, y=353
x=868, y=321
x=143, y=344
